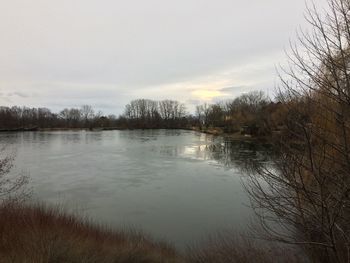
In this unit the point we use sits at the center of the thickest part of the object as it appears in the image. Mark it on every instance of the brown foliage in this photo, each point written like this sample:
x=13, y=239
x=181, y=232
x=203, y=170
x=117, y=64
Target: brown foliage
x=305, y=200
x=39, y=234
x=225, y=248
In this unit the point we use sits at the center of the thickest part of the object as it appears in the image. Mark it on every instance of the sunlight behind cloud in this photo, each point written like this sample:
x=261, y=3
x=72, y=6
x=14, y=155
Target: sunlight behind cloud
x=207, y=94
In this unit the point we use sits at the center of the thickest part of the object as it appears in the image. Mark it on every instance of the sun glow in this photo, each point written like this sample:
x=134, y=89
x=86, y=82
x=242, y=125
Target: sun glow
x=207, y=94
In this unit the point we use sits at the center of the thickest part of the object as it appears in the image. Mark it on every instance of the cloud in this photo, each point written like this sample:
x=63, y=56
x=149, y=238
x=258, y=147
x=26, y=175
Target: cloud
x=18, y=94
x=233, y=89
x=64, y=53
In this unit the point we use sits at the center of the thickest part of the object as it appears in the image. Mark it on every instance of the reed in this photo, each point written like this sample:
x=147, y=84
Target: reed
x=42, y=234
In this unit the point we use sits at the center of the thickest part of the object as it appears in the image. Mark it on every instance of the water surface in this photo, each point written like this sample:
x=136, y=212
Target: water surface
x=174, y=184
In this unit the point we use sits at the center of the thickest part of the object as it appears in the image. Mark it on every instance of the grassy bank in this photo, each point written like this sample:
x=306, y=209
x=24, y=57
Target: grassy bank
x=40, y=234
x=234, y=248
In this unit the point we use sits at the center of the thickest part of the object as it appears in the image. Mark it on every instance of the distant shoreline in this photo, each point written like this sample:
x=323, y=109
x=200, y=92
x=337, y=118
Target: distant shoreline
x=211, y=131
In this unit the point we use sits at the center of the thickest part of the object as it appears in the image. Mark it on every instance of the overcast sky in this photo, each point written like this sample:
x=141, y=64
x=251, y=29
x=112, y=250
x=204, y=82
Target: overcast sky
x=66, y=53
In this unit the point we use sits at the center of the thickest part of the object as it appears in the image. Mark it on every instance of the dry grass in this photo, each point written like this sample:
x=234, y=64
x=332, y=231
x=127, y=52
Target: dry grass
x=40, y=234
x=228, y=248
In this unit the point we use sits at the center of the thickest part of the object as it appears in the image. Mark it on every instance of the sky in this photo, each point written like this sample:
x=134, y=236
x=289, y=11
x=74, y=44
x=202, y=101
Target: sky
x=67, y=53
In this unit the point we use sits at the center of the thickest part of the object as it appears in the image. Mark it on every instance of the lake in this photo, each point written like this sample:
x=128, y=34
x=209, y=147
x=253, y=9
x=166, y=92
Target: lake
x=174, y=184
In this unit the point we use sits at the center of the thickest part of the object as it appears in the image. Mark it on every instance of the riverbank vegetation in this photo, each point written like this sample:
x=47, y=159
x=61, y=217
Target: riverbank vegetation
x=42, y=234
x=305, y=200
x=252, y=113
x=237, y=248
x=37, y=233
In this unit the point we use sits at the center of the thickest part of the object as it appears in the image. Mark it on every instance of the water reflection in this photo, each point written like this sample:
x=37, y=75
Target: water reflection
x=240, y=154
x=149, y=134
x=225, y=151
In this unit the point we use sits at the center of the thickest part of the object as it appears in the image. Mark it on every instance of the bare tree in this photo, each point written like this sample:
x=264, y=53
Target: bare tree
x=305, y=198
x=87, y=114
x=202, y=112
x=199, y=115
x=12, y=187
x=166, y=109
x=215, y=115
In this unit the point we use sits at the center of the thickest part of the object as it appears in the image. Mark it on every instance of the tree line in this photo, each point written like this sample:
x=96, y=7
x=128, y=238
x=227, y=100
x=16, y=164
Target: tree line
x=144, y=113
x=253, y=113
x=19, y=118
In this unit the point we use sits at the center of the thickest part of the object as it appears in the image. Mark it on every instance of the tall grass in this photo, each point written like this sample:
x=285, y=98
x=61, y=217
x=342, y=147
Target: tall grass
x=41, y=234
x=231, y=248
x=38, y=234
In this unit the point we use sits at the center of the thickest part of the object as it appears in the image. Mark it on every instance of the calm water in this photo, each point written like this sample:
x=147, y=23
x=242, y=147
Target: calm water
x=177, y=185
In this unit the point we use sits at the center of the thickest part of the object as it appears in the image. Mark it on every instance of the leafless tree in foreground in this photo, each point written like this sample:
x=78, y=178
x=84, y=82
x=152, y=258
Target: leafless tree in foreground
x=12, y=188
x=305, y=199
